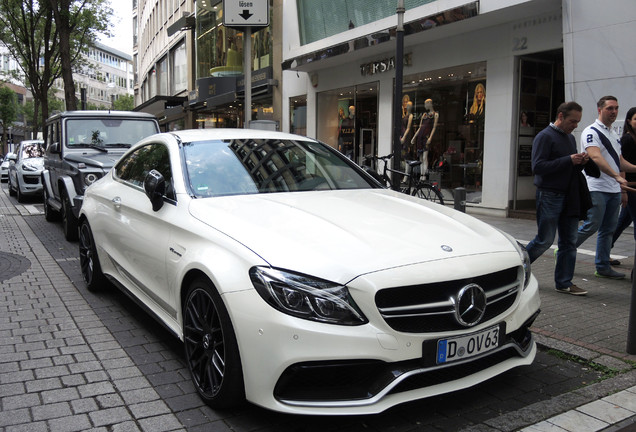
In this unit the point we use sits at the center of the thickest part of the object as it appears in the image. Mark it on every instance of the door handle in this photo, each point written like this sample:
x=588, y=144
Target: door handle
x=116, y=202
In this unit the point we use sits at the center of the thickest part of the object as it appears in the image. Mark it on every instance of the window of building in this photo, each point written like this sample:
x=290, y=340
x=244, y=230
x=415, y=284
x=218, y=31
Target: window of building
x=348, y=120
x=179, y=73
x=162, y=76
x=457, y=97
x=321, y=19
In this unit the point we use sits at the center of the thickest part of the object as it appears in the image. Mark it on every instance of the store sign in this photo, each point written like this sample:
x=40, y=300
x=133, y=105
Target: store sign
x=383, y=65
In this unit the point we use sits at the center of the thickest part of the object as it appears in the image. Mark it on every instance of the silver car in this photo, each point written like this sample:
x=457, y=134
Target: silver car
x=25, y=169
x=4, y=169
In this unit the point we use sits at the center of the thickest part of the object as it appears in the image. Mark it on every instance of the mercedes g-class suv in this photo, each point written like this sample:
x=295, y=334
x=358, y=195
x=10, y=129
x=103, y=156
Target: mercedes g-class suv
x=82, y=146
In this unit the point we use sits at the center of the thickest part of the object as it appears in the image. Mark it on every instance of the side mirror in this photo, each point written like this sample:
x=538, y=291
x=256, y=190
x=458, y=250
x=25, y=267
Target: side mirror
x=54, y=148
x=155, y=188
x=12, y=157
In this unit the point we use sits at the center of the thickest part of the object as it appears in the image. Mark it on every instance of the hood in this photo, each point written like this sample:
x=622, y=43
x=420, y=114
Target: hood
x=35, y=162
x=347, y=233
x=97, y=159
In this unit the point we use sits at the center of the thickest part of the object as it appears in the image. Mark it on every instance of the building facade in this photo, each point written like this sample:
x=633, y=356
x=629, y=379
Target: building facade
x=494, y=73
x=190, y=66
x=107, y=75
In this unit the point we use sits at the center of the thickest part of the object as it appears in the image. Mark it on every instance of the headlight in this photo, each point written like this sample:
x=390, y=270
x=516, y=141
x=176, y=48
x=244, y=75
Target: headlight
x=526, y=264
x=28, y=167
x=91, y=178
x=306, y=297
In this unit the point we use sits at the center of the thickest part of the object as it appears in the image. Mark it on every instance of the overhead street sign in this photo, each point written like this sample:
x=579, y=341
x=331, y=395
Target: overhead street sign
x=245, y=13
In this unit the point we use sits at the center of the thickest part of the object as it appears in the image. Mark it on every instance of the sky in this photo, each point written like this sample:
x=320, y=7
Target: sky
x=122, y=27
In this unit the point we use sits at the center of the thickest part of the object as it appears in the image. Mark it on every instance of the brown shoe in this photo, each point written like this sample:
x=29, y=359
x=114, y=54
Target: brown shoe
x=574, y=290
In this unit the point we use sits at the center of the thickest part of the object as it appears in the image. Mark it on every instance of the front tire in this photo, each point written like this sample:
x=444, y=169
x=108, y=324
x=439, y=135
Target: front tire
x=69, y=221
x=9, y=185
x=89, y=261
x=210, y=345
x=19, y=194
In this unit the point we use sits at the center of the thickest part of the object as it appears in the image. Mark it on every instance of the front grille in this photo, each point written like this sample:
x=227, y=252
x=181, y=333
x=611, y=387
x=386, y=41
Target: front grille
x=431, y=307
x=32, y=180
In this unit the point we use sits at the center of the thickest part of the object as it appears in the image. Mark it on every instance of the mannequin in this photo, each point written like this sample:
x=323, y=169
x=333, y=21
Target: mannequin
x=348, y=132
x=407, y=132
x=424, y=135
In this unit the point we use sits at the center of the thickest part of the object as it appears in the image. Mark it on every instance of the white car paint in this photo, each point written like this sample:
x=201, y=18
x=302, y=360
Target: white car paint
x=370, y=240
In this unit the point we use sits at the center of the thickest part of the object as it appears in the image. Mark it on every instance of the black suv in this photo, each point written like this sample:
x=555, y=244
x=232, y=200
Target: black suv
x=82, y=146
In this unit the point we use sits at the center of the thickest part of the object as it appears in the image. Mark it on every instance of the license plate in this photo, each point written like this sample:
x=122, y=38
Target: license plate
x=463, y=347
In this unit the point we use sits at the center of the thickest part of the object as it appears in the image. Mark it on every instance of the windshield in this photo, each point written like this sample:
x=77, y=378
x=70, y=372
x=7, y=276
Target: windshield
x=32, y=151
x=110, y=132
x=218, y=168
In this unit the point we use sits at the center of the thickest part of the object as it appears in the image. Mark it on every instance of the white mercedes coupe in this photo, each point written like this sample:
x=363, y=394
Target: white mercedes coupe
x=297, y=282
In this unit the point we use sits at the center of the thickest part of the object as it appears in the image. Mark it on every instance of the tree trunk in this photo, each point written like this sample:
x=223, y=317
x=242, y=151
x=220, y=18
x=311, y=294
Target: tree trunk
x=61, y=12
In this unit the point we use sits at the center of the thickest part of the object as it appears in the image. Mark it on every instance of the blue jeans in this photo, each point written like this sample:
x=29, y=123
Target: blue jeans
x=626, y=217
x=602, y=217
x=550, y=219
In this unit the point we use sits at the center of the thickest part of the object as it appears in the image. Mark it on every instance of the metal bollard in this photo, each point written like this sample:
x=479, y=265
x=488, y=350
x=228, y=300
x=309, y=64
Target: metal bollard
x=631, y=324
x=459, y=196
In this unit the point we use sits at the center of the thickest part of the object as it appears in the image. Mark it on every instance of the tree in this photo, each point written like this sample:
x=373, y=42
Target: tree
x=8, y=112
x=78, y=23
x=28, y=32
x=124, y=103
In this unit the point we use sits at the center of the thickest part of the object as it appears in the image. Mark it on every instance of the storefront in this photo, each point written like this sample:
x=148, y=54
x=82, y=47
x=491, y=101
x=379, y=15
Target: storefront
x=465, y=86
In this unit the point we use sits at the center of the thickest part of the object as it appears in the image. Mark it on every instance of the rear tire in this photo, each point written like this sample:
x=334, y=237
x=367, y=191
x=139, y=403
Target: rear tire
x=69, y=221
x=211, y=348
x=89, y=261
x=429, y=193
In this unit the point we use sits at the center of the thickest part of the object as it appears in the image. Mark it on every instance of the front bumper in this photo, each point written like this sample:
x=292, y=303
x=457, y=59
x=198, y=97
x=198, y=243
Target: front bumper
x=298, y=366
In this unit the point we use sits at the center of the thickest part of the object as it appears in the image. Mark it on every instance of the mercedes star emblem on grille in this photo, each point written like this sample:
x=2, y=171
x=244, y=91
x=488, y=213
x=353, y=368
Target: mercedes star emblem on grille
x=470, y=305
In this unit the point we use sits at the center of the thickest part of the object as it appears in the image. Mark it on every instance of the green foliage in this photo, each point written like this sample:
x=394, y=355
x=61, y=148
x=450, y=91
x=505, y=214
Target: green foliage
x=124, y=103
x=8, y=112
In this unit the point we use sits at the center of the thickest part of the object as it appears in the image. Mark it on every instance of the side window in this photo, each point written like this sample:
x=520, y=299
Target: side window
x=134, y=167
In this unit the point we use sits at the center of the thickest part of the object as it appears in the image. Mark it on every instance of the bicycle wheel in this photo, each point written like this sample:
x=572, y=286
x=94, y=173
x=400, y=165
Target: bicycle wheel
x=429, y=192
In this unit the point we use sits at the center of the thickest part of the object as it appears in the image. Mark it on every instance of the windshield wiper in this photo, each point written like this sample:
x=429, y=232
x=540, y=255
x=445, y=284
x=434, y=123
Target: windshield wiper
x=119, y=145
x=93, y=146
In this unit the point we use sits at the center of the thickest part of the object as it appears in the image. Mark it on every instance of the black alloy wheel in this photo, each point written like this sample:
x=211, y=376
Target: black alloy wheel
x=49, y=213
x=89, y=261
x=210, y=347
x=69, y=221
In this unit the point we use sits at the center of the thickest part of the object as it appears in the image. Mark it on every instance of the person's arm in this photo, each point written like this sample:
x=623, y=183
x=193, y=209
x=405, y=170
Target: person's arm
x=604, y=166
x=417, y=132
x=408, y=128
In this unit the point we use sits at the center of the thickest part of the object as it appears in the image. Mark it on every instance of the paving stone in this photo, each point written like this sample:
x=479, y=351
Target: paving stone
x=51, y=411
x=70, y=424
x=20, y=401
x=161, y=423
x=109, y=416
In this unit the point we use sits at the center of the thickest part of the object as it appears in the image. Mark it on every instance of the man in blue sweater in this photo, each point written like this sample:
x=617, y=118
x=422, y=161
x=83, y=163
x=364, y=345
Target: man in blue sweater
x=557, y=167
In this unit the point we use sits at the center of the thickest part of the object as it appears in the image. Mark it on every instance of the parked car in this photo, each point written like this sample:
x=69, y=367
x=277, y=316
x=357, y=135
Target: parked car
x=81, y=147
x=297, y=282
x=26, y=170
x=4, y=169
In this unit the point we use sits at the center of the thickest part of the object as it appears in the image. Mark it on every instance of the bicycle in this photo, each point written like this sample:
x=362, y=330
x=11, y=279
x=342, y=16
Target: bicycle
x=421, y=188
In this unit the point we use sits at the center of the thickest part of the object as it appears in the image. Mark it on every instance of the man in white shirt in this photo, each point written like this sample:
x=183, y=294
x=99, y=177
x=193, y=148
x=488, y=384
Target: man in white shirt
x=603, y=146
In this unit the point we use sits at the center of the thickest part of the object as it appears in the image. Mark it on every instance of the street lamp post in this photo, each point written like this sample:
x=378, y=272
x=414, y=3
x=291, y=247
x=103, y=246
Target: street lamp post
x=397, y=98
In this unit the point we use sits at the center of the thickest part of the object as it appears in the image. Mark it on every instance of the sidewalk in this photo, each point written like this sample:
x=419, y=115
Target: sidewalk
x=61, y=369
x=592, y=327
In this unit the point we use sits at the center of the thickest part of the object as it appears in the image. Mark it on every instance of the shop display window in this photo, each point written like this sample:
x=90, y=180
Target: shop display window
x=449, y=106
x=298, y=115
x=347, y=120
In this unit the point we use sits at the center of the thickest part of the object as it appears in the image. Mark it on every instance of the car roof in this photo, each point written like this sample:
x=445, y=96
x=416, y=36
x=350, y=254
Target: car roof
x=188, y=135
x=103, y=113
x=32, y=142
